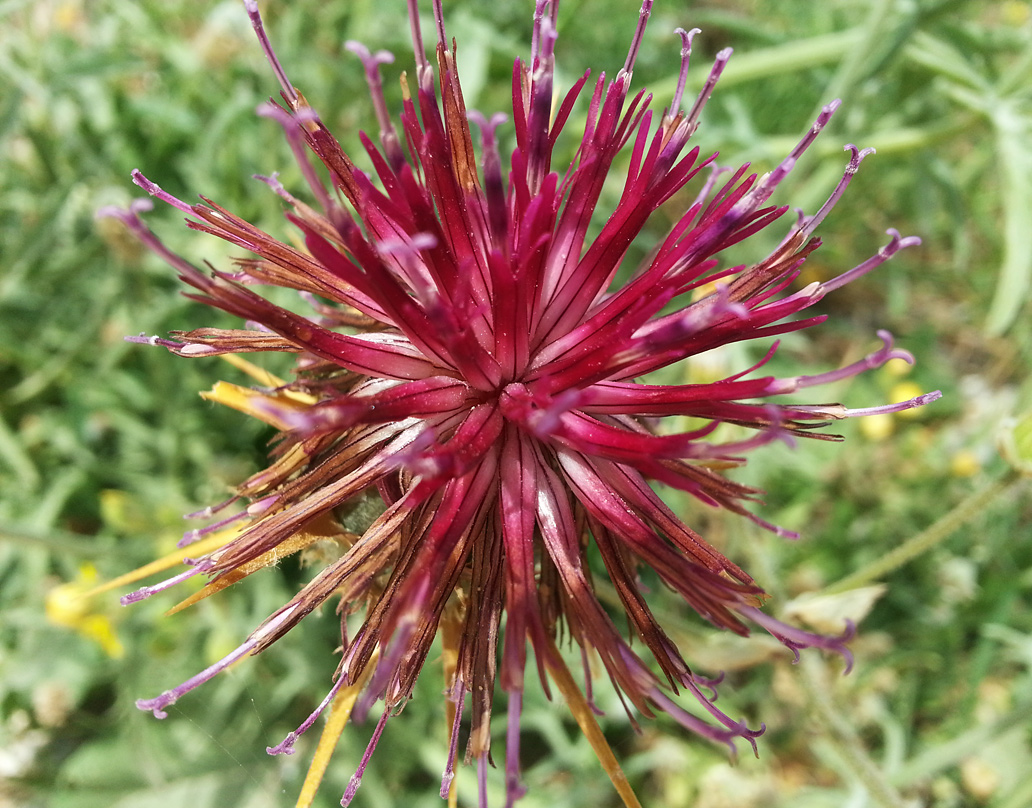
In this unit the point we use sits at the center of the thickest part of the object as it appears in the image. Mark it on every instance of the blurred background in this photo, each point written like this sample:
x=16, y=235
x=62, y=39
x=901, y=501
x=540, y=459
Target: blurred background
x=105, y=444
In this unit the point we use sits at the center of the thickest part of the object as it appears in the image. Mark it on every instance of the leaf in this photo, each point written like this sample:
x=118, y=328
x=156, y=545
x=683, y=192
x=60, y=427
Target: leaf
x=1014, y=152
x=832, y=613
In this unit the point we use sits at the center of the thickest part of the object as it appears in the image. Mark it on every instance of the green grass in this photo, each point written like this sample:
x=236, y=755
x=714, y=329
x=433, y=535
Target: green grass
x=104, y=444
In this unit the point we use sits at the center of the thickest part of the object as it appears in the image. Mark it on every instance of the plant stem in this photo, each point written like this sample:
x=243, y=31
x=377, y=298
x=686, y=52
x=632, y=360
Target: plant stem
x=790, y=57
x=926, y=539
x=53, y=540
x=843, y=737
x=951, y=752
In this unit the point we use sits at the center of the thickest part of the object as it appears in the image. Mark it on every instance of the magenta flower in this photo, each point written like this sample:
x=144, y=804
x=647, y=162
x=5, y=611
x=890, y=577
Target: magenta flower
x=482, y=365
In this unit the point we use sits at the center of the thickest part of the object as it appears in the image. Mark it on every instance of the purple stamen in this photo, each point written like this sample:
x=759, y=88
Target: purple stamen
x=707, y=188
x=459, y=698
x=763, y=191
x=168, y=698
x=703, y=681
x=770, y=527
x=869, y=362
x=135, y=224
x=143, y=339
x=356, y=778
x=197, y=533
x=372, y=62
x=292, y=129
x=728, y=735
x=211, y=510
x=494, y=187
x=442, y=35
x=707, y=89
x=796, y=639
x=838, y=411
x=273, y=182
x=682, y=79
x=158, y=704
x=482, y=781
x=154, y=190
x=639, y=34
x=422, y=65
x=807, y=226
x=286, y=746
x=254, y=509
x=124, y=215
x=896, y=243
x=539, y=22
x=145, y=592
x=710, y=707
x=539, y=111
x=263, y=40
x=513, y=788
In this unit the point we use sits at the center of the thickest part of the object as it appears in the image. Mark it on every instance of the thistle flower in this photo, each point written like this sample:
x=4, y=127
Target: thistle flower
x=482, y=366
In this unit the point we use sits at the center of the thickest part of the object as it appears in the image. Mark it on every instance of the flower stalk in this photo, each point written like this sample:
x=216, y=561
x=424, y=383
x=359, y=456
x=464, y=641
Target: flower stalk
x=934, y=534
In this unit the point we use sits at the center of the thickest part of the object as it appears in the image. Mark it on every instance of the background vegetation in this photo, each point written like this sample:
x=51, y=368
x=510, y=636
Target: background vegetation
x=103, y=444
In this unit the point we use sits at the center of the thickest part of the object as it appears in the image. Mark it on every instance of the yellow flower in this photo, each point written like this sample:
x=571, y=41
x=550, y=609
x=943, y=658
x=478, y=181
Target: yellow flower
x=69, y=605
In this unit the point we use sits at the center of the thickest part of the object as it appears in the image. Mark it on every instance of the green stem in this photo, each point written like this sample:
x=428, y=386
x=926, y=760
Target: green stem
x=791, y=57
x=843, y=737
x=14, y=455
x=1019, y=797
x=950, y=753
x=891, y=141
x=927, y=539
x=54, y=541
x=855, y=61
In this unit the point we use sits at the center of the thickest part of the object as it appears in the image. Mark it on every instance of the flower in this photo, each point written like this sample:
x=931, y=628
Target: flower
x=68, y=605
x=483, y=366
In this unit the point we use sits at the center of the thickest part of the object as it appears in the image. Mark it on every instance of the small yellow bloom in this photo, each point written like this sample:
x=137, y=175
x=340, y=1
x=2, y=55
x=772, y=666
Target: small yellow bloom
x=1016, y=13
x=964, y=464
x=69, y=16
x=69, y=605
x=878, y=427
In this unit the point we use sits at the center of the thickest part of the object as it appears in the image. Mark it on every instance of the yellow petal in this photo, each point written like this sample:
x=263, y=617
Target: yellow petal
x=340, y=712
x=260, y=375
x=315, y=531
x=100, y=629
x=68, y=606
x=589, y=726
x=250, y=401
x=198, y=548
x=451, y=638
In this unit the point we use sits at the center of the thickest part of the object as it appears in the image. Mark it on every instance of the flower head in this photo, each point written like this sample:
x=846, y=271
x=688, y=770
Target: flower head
x=475, y=359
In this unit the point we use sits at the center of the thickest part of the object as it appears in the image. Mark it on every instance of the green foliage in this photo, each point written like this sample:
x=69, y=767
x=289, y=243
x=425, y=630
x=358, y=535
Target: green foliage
x=104, y=444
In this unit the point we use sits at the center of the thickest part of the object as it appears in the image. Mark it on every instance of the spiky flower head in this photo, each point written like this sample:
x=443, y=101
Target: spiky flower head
x=482, y=365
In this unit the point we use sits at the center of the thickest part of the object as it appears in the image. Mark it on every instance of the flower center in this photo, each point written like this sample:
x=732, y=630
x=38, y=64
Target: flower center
x=516, y=401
